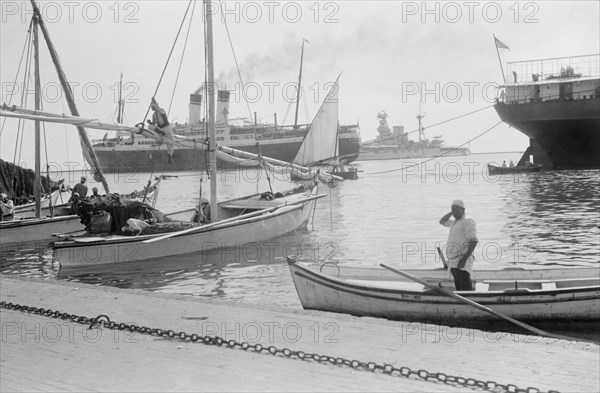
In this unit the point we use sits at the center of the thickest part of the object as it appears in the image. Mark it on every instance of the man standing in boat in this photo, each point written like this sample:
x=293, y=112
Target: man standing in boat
x=462, y=241
x=160, y=123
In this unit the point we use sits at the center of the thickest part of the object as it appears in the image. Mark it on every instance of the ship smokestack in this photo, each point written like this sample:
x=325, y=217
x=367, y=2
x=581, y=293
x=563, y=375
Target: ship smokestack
x=223, y=107
x=195, y=108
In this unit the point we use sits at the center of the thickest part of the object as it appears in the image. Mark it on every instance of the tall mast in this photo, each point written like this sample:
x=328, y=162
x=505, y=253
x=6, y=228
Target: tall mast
x=37, y=182
x=88, y=152
x=421, y=129
x=299, y=86
x=419, y=117
x=120, y=107
x=211, y=92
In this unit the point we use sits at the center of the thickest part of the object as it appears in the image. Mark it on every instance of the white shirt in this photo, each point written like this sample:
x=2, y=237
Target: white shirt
x=461, y=233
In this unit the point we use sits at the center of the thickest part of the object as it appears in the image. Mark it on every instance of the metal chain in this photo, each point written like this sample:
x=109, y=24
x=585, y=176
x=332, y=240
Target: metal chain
x=104, y=321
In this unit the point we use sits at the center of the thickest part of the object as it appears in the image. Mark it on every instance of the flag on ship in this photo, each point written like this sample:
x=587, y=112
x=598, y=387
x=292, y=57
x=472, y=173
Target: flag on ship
x=500, y=44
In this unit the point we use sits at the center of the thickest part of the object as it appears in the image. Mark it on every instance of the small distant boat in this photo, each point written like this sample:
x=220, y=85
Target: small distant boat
x=572, y=299
x=347, y=173
x=499, y=170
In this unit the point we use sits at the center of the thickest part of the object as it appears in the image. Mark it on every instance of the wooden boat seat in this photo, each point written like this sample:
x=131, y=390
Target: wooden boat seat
x=548, y=285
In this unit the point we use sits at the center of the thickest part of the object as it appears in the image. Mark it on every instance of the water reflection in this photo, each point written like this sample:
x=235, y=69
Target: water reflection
x=387, y=215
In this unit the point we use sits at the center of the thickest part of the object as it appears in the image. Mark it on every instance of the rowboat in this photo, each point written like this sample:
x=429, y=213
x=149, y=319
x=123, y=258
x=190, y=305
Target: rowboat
x=499, y=170
x=565, y=299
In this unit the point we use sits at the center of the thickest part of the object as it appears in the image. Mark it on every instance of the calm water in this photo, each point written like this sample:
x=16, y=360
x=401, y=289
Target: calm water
x=389, y=215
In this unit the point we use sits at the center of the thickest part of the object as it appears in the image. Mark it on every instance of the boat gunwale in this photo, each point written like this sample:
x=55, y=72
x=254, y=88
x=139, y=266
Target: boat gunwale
x=34, y=221
x=117, y=239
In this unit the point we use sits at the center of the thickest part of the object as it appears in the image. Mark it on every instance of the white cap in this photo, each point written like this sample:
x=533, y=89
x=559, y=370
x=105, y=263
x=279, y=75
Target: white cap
x=458, y=202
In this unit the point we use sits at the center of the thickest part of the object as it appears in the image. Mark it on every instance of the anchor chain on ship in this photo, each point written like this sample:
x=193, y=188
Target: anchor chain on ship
x=104, y=321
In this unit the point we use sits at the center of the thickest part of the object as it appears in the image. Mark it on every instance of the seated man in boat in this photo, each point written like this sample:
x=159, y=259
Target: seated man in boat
x=462, y=241
x=504, y=164
x=160, y=123
x=202, y=216
x=94, y=193
x=80, y=188
x=74, y=200
x=7, y=208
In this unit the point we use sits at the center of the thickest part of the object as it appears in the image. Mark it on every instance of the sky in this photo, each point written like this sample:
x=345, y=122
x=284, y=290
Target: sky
x=437, y=58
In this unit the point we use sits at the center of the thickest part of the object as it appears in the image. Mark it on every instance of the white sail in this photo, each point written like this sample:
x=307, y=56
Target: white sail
x=320, y=142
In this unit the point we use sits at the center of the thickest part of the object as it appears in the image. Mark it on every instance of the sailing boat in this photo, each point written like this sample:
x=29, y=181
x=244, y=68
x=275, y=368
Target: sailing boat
x=41, y=228
x=249, y=219
x=319, y=148
x=37, y=229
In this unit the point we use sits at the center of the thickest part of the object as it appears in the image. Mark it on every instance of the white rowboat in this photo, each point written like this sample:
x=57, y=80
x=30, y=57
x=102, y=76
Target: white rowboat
x=573, y=299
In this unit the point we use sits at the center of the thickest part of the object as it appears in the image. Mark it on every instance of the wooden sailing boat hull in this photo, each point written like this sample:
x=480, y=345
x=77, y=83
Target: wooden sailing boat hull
x=579, y=301
x=37, y=230
x=118, y=249
x=28, y=210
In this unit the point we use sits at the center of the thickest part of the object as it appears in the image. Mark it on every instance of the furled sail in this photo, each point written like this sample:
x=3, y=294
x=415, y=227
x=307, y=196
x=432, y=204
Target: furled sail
x=320, y=142
x=23, y=113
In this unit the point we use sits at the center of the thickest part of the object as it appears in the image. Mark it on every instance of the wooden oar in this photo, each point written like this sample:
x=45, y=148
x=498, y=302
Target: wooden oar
x=442, y=258
x=470, y=302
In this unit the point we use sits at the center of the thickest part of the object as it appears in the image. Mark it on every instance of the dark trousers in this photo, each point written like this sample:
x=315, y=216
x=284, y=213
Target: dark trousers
x=462, y=279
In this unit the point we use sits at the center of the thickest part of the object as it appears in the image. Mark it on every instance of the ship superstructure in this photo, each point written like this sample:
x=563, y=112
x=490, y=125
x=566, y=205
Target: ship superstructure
x=394, y=143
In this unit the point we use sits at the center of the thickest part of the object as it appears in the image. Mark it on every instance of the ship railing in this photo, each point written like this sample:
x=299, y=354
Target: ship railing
x=553, y=68
x=521, y=94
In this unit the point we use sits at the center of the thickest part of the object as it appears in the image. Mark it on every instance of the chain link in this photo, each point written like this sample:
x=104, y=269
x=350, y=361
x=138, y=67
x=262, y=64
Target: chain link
x=104, y=321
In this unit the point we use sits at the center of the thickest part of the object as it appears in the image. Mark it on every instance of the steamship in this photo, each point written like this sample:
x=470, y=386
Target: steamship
x=133, y=153
x=556, y=103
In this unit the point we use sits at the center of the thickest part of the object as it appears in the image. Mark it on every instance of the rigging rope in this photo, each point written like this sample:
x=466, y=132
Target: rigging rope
x=187, y=35
x=236, y=65
x=441, y=155
x=26, y=81
x=169, y=57
x=26, y=44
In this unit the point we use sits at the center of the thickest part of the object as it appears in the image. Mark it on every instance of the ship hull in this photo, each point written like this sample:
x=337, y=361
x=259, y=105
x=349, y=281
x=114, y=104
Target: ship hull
x=563, y=134
x=121, y=160
x=387, y=153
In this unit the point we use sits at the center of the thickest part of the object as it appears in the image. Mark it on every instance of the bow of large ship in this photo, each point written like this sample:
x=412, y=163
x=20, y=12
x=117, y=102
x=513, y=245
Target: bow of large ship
x=556, y=103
